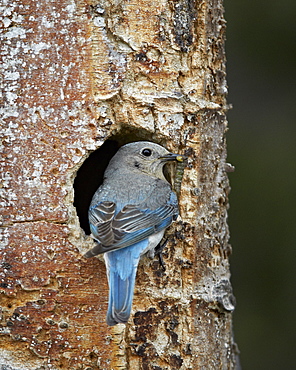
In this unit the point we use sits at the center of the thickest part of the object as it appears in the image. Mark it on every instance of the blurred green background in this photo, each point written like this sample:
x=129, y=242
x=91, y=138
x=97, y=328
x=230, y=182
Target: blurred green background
x=261, y=61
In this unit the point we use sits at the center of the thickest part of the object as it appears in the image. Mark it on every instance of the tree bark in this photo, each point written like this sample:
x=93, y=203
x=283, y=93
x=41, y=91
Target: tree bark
x=78, y=75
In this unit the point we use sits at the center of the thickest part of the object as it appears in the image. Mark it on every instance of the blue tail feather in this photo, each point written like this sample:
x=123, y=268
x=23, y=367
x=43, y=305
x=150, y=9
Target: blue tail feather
x=120, y=298
x=122, y=269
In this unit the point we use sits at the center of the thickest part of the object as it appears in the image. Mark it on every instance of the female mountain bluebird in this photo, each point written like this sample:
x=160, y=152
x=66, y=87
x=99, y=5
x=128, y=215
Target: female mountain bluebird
x=128, y=216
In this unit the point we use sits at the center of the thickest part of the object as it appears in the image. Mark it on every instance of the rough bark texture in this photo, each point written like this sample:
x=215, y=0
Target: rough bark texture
x=77, y=73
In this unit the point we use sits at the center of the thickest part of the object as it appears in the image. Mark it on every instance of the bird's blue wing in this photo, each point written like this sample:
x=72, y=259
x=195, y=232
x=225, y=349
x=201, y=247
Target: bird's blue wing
x=128, y=226
x=100, y=221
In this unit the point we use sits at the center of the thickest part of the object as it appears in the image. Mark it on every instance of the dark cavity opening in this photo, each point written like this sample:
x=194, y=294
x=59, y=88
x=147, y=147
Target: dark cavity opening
x=90, y=175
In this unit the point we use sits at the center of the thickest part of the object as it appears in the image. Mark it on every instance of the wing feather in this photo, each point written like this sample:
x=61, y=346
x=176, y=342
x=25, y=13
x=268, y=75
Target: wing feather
x=129, y=225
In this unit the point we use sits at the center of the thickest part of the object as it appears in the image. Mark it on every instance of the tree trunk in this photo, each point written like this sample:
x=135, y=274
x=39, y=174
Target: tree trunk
x=84, y=75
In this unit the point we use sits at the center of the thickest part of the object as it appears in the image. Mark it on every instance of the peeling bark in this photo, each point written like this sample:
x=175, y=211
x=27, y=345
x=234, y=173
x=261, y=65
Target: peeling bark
x=76, y=74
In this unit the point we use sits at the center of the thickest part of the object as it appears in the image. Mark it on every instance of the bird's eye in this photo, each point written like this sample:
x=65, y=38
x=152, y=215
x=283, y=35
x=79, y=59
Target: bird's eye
x=146, y=152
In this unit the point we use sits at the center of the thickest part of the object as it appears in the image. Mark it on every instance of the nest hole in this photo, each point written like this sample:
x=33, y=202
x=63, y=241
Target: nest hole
x=90, y=175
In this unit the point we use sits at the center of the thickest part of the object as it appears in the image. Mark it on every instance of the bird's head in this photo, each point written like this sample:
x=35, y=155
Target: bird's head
x=144, y=156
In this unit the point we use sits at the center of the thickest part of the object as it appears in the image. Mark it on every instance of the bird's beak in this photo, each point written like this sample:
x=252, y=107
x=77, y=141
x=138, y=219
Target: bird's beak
x=173, y=157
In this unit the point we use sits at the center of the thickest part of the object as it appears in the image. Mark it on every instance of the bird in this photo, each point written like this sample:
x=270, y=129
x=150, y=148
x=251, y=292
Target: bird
x=128, y=216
